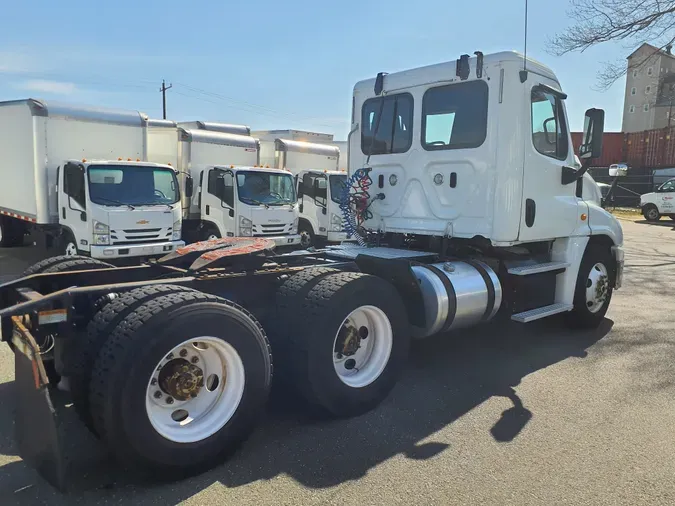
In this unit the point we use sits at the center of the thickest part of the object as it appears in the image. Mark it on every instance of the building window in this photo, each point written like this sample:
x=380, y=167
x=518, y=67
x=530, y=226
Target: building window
x=646, y=107
x=650, y=71
x=648, y=90
x=633, y=90
x=635, y=73
x=631, y=108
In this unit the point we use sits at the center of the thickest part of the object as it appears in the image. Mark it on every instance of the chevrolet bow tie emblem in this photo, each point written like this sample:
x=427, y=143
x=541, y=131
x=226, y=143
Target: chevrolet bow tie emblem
x=142, y=222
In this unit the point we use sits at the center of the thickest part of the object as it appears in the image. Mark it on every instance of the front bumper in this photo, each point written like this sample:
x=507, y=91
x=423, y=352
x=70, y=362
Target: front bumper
x=619, y=257
x=337, y=236
x=135, y=250
x=283, y=240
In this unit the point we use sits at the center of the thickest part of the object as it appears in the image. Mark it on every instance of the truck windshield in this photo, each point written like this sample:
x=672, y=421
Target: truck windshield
x=265, y=188
x=337, y=183
x=135, y=185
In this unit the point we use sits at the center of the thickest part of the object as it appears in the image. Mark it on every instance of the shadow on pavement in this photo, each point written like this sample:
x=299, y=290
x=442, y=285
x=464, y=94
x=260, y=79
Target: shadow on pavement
x=447, y=377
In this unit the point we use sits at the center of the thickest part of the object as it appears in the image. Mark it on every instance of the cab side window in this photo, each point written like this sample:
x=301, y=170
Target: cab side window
x=668, y=186
x=549, y=131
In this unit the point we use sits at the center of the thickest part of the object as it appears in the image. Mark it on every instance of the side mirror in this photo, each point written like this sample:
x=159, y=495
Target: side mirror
x=591, y=143
x=618, y=170
x=321, y=184
x=231, y=213
x=83, y=216
x=189, y=187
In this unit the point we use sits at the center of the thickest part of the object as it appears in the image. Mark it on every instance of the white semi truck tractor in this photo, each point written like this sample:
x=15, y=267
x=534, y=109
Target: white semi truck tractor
x=466, y=205
x=77, y=179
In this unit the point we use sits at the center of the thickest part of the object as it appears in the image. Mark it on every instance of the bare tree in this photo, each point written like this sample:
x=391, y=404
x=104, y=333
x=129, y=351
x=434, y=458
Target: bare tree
x=630, y=21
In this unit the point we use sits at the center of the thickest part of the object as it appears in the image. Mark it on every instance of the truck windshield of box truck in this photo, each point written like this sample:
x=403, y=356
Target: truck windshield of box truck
x=132, y=185
x=265, y=188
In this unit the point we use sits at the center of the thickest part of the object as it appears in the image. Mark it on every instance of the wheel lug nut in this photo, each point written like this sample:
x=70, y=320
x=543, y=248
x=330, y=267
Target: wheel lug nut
x=153, y=381
x=194, y=360
x=183, y=353
x=158, y=394
x=169, y=356
x=169, y=400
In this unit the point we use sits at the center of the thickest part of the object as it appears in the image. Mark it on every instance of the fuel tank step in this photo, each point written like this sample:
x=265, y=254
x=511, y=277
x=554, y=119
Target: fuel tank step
x=526, y=270
x=541, y=312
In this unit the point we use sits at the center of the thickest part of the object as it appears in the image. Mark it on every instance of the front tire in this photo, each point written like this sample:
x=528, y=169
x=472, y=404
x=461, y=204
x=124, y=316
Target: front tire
x=307, y=237
x=594, y=288
x=173, y=438
x=651, y=213
x=68, y=245
x=349, y=344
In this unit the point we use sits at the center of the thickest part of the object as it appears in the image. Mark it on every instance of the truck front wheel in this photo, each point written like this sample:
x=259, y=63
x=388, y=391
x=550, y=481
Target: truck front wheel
x=349, y=343
x=68, y=244
x=593, y=292
x=651, y=213
x=181, y=382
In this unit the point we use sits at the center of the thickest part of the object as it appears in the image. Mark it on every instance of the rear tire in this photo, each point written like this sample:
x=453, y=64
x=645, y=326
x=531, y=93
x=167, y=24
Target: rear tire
x=122, y=392
x=651, y=213
x=51, y=262
x=316, y=340
x=82, y=355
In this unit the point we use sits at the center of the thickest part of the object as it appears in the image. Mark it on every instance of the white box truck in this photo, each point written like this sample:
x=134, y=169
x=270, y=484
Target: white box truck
x=319, y=186
x=74, y=178
x=235, y=196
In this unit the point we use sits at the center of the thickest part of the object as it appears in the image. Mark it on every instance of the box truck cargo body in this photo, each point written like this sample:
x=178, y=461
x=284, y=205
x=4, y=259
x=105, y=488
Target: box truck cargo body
x=75, y=177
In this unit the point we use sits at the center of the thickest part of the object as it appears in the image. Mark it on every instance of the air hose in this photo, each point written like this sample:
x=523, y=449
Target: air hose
x=354, y=203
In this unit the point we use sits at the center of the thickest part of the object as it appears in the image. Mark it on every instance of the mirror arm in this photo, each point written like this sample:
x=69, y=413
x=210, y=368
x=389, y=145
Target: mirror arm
x=570, y=175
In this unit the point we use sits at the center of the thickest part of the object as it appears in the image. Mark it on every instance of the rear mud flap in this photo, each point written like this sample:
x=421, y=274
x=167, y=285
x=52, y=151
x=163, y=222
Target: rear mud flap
x=36, y=420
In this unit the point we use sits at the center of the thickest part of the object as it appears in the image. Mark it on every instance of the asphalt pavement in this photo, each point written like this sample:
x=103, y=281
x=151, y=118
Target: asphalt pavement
x=501, y=414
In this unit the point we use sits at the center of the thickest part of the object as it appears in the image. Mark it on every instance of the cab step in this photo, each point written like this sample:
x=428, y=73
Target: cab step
x=541, y=312
x=526, y=270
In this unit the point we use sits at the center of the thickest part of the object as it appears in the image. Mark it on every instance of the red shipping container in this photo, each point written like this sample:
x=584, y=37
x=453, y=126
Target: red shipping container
x=612, y=148
x=651, y=148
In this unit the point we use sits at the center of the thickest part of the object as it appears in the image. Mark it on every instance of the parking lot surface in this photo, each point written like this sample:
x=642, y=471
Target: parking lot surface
x=501, y=414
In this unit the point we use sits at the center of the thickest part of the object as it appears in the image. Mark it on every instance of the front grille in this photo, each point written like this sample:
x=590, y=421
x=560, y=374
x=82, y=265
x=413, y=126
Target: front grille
x=140, y=235
x=142, y=230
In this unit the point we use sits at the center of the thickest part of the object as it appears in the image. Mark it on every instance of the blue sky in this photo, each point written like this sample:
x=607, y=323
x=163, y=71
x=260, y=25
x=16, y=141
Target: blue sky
x=269, y=64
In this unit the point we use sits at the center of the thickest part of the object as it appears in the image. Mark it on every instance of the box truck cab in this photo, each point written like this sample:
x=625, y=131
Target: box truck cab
x=235, y=196
x=75, y=178
x=319, y=185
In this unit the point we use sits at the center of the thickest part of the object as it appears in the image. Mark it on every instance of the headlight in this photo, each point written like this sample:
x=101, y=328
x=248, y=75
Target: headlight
x=177, y=228
x=100, y=228
x=245, y=227
x=294, y=228
x=101, y=233
x=336, y=223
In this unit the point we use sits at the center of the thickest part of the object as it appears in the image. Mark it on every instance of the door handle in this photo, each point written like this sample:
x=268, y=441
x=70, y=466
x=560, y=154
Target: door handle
x=63, y=212
x=208, y=209
x=530, y=212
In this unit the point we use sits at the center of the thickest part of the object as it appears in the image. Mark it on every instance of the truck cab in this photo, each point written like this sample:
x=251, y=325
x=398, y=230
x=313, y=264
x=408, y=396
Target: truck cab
x=660, y=202
x=119, y=209
x=249, y=202
x=319, y=194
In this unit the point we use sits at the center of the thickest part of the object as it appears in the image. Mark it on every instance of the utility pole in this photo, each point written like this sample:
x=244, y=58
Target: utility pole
x=163, y=90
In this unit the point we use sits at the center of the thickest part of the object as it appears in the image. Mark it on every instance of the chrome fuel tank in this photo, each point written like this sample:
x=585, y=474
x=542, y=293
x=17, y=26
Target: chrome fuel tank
x=456, y=294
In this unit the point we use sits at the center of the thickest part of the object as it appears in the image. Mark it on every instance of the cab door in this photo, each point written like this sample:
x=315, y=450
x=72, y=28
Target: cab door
x=549, y=209
x=72, y=203
x=217, y=202
x=665, y=200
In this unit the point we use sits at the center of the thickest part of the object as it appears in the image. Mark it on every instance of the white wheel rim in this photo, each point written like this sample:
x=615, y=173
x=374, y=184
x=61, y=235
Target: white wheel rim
x=71, y=249
x=363, y=366
x=597, y=287
x=212, y=237
x=305, y=239
x=210, y=409
x=653, y=214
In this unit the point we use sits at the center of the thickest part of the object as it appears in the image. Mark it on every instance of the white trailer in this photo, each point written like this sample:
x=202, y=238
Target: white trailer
x=75, y=177
x=235, y=197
